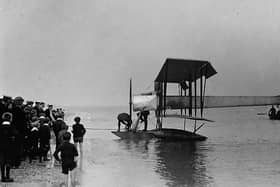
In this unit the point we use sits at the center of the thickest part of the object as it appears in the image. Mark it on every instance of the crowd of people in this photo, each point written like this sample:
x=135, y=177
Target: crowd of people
x=25, y=134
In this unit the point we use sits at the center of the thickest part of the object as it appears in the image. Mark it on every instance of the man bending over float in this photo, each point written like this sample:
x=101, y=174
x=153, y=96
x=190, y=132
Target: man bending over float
x=125, y=119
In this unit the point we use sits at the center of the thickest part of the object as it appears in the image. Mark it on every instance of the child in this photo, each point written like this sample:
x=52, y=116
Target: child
x=57, y=126
x=33, y=139
x=78, y=131
x=68, y=156
x=7, y=137
x=61, y=134
x=44, y=139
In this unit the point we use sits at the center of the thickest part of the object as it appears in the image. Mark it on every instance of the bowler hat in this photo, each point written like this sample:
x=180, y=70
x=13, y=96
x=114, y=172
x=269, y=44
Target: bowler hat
x=19, y=98
x=7, y=98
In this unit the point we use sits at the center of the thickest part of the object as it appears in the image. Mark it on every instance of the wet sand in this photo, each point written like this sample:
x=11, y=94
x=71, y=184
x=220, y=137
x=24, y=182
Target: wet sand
x=35, y=174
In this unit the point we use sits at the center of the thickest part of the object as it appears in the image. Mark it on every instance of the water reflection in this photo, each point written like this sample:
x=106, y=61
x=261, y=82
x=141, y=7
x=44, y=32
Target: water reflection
x=138, y=145
x=182, y=163
x=175, y=163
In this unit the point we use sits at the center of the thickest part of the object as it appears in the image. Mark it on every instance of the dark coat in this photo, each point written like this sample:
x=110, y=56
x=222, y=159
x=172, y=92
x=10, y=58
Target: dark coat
x=68, y=152
x=58, y=126
x=60, y=136
x=19, y=120
x=125, y=119
x=7, y=138
x=3, y=109
x=44, y=134
x=78, y=130
x=33, y=138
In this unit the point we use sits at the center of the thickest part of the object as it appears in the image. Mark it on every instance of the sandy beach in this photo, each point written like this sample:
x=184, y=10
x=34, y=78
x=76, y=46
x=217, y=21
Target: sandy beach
x=36, y=174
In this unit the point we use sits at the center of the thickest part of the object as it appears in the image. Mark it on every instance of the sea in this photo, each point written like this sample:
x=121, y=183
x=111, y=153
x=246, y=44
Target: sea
x=242, y=149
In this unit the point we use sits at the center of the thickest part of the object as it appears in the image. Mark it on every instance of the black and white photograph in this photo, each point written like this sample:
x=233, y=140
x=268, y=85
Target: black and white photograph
x=130, y=93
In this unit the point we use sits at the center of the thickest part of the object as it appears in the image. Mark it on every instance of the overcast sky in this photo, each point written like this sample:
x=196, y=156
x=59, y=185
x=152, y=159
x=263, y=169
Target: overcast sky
x=72, y=52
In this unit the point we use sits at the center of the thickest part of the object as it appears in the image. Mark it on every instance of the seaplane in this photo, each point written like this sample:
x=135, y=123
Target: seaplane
x=191, y=77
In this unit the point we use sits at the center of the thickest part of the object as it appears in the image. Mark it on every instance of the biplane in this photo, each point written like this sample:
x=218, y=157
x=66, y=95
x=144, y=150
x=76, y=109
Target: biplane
x=191, y=77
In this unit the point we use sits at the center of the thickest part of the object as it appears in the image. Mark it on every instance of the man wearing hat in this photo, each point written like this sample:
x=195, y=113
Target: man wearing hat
x=4, y=104
x=6, y=146
x=37, y=108
x=29, y=103
x=27, y=109
x=20, y=125
x=3, y=108
x=33, y=138
x=44, y=139
x=57, y=126
x=7, y=98
x=49, y=113
x=41, y=108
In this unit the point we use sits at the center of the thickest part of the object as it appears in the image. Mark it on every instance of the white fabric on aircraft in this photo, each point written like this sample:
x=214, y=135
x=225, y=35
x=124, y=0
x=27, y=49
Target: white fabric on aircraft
x=144, y=102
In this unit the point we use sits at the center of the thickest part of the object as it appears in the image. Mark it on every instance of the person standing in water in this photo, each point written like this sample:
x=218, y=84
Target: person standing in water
x=68, y=157
x=272, y=113
x=78, y=131
x=277, y=112
x=144, y=118
x=124, y=118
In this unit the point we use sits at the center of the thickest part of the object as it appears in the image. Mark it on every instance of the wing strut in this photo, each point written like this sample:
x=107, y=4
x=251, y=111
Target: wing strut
x=130, y=98
x=195, y=106
x=190, y=98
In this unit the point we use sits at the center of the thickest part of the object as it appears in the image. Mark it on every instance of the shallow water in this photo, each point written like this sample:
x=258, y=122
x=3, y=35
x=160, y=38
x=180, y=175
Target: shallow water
x=242, y=149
